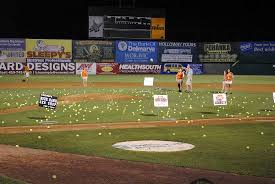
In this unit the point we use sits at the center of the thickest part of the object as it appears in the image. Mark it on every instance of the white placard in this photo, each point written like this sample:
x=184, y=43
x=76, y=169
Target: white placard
x=274, y=97
x=148, y=81
x=161, y=100
x=219, y=99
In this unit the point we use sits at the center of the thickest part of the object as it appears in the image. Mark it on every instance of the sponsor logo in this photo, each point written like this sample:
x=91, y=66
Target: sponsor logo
x=177, y=44
x=107, y=69
x=246, y=47
x=158, y=27
x=46, y=54
x=153, y=146
x=139, y=67
x=82, y=66
x=217, y=48
x=122, y=46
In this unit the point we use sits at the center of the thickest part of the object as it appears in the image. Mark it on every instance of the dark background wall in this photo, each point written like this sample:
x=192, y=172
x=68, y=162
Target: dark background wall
x=191, y=20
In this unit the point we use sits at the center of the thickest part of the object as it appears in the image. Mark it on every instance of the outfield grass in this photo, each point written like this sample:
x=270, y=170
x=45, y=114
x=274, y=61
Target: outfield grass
x=7, y=180
x=223, y=148
x=239, y=79
x=196, y=105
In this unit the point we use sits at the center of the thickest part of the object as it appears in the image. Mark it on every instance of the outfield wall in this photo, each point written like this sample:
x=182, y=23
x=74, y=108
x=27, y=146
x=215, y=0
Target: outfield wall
x=51, y=56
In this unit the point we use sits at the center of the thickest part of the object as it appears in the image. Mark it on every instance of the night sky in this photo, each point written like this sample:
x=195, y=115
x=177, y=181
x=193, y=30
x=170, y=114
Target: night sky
x=189, y=20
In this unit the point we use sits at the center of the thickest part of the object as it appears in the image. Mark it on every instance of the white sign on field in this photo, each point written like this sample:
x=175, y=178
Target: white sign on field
x=219, y=99
x=274, y=97
x=161, y=100
x=148, y=81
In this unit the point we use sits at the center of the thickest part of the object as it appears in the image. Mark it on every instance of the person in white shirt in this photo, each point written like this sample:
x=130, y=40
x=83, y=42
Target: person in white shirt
x=189, y=74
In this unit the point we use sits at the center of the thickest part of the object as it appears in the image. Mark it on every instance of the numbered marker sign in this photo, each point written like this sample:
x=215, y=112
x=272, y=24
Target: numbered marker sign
x=161, y=100
x=47, y=101
x=274, y=97
x=219, y=99
x=148, y=81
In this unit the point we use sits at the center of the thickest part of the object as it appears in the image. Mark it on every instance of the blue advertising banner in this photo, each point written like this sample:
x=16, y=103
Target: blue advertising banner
x=173, y=68
x=257, y=52
x=12, y=50
x=177, y=52
x=144, y=52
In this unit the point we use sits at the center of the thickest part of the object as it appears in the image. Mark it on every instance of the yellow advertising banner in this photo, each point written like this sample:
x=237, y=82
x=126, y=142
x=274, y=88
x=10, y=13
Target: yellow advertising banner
x=49, y=48
x=158, y=28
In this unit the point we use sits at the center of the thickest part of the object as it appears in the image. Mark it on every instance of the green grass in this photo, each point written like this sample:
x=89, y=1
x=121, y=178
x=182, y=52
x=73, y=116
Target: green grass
x=186, y=106
x=7, y=180
x=239, y=79
x=223, y=148
x=181, y=106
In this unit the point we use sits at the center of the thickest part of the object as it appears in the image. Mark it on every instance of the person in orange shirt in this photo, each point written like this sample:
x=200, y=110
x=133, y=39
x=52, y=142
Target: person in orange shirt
x=179, y=79
x=228, y=81
x=84, y=75
x=26, y=72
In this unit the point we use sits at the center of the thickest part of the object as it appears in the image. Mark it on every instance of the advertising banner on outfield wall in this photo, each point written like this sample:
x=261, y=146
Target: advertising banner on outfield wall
x=177, y=52
x=93, y=51
x=91, y=68
x=223, y=52
x=37, y=68
x=173, y=68
x=11, y=68
x=136, y=52
x=48, y=50
x=257, y=52
x=12, y=50
x=107, y=68
x=139, y=68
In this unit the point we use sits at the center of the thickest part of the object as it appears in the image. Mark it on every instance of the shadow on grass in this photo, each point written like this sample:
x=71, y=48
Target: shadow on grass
x=149, y=114
x=266, y=110
x=36, y=117
x=206, y=112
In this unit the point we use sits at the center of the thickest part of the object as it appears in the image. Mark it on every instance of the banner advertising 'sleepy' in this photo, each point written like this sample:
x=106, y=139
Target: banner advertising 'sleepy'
x=37, y=68
x=12, y=50
x=225, y=52
x=177, y=52
x=173, y=68
x=107, y=68
x=136, y=52
x=91, y=68
x=93, y=51
x=257, y=52
x=139, y=68
x=46, y=50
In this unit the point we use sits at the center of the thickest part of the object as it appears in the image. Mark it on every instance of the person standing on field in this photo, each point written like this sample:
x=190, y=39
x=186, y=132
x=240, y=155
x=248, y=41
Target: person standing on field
x=84, y=75
x=26, y=72
x=228, y=81
x=179, y=79
x=189, y=73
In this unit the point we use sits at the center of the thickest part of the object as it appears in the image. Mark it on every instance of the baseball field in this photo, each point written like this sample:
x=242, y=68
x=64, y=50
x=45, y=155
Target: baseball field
x=73, y=143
